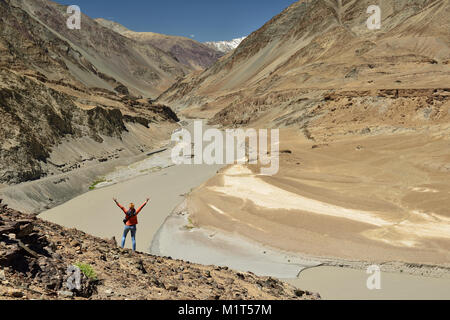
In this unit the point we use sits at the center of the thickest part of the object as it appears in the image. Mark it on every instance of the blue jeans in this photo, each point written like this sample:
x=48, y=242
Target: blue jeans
x=133, y=236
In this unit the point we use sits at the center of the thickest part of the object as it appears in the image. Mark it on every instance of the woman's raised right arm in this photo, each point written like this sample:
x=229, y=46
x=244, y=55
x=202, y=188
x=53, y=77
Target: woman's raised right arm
x=119, y=205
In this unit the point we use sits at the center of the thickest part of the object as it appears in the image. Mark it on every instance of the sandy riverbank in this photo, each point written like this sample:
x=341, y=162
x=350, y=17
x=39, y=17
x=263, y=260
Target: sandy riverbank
x=179, y=239
x=381, y=198
x=333, y=278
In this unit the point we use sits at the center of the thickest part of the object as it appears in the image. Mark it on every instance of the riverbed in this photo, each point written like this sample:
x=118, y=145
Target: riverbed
x=165, y=229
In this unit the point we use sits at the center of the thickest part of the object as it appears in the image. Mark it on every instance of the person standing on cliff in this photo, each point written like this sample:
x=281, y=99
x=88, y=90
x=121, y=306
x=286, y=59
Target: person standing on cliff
x=130, y=221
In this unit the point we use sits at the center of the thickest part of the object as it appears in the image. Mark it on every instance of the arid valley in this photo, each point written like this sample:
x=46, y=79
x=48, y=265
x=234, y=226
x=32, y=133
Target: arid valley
x=363, y=157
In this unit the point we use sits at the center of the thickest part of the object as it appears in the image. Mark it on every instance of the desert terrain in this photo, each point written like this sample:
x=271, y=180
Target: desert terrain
x=364, y=120
x=375, y=199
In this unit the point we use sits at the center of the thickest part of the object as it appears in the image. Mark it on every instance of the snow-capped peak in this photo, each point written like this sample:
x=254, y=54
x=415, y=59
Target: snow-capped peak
x=225, y=46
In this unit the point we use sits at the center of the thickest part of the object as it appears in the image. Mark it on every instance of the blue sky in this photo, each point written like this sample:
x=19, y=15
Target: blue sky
x=204, y=20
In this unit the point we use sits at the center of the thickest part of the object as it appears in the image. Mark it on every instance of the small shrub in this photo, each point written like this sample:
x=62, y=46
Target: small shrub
x=87, y=270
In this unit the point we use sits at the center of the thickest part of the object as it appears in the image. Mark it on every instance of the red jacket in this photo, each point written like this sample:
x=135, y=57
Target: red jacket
x=133, y=220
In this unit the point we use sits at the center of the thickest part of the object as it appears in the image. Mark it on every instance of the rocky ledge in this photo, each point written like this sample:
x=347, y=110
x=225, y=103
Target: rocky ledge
x=37, y=259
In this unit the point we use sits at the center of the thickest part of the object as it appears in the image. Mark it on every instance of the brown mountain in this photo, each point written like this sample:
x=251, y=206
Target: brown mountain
x=189, y=52
x=60, y=87
x=143, y=68
x=315, y=46
x=365, y=129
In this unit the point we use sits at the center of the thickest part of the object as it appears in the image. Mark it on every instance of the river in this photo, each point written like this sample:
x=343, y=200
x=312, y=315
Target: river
x=166, y=185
